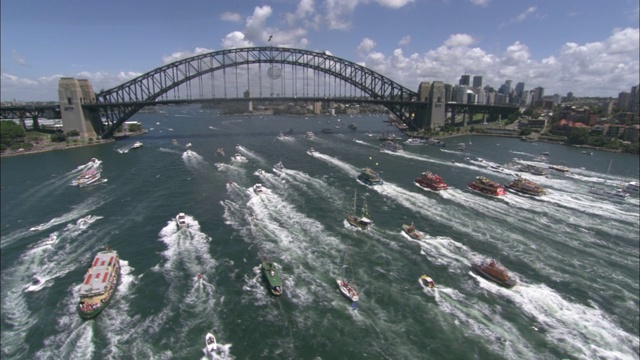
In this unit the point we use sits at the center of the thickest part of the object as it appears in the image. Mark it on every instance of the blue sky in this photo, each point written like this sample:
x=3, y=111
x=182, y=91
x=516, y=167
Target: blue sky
x=589, y=47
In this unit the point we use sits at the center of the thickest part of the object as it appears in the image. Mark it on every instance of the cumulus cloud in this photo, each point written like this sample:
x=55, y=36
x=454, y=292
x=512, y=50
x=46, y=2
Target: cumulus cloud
x=459, y=40
x=366, y=45
x=304, y=10
x=184, y=54
x=231, y=17
x=405, y=40
x=235, y=39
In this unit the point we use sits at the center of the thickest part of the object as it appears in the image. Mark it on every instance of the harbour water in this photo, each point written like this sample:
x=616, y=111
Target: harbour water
x=575, y=256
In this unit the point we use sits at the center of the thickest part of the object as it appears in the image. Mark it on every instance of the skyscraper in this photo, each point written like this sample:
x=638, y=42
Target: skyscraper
x=519, y=89
x=477, y=82
x=464, y=80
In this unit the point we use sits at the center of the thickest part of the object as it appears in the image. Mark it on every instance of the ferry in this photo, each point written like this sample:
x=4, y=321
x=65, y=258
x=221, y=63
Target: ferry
x=532, y=169
x=273, y=277
x=495, y=272
x=429, y=180
x=100, y=283
x=181, y=221
x=483, y=185
x=526, y=186
x=632, y=187
x=369, y=177
x=412, y=232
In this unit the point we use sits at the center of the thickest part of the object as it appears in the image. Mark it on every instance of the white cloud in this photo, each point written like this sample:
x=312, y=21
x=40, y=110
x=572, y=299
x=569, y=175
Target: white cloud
x=521, y=17
x=394, y=3
x=18, y=59
x=304, y=10
x=405, y=40
x=480, y=2
x=184, y=54
x=235, y=39
x=459, y=40
x=366, y=45
x=231, y=16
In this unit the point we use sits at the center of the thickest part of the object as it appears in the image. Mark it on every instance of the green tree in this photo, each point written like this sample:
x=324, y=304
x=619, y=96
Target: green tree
x=73, y=132
x=58, y=137
x=578, y=136
x=134, y=128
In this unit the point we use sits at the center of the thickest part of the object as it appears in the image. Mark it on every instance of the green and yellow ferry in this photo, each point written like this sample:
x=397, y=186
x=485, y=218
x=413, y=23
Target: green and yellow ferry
x=273, y=277
x=99, y=284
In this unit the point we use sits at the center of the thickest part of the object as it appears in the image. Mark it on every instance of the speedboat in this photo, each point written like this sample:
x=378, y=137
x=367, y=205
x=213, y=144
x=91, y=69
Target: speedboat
x=199, y=277
x=412, y=232
x=181, y=221
x=136, y=145
x=35, y=285
x=415, y=141
x=427, y=281
x=559, y=168
x=278, y=167
x=347, y=290
x=88, y=177
x=210, y=342
x=220, y=152
x=258, y=189
x=239, y=158
x=311, y=151
x=309, y=135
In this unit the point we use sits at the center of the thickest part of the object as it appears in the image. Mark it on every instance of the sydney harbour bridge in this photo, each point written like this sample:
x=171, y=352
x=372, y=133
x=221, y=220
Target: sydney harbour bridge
x=247, y=75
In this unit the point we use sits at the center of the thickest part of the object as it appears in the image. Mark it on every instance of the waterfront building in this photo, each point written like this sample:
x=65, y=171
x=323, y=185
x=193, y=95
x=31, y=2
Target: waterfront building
x=477, y=82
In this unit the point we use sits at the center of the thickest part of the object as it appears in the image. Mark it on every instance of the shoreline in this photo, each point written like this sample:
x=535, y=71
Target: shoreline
x=56, y=147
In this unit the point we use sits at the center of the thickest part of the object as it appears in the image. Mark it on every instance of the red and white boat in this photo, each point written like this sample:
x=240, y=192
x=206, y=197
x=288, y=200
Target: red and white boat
x=486, y=186
x=429, y=180
x=347, y=290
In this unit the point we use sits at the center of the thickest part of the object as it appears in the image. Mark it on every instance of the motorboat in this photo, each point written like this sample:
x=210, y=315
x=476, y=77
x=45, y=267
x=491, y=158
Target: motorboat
x=279, y=167
x=427, y=281
x=258, y=189
x=559, y=168
x=273, y=277
x=181, y=221
x=632, y=187
x=412, y=232
x=239, y=158
x=210, y=342
x=415, y=141
x=312, y=151
x=220, y=152
x=87, y=177
x=309, y=135
x=493, y=271
x=35, y=284
x=136, y=145
x=347, y=290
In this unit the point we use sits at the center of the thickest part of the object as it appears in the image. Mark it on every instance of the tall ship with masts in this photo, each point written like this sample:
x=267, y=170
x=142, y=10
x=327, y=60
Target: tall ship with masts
x=363, y=222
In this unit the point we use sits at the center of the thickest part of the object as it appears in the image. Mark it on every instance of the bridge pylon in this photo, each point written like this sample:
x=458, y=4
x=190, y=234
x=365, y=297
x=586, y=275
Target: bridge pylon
x=72, y=93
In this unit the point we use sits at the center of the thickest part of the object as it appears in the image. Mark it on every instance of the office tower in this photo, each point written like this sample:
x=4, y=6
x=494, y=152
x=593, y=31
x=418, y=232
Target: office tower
x=519, y=89
x=477, y=82
x=464, y=80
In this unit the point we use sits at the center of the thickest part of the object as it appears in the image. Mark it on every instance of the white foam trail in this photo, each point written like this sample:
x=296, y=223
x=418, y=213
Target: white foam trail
x=248, y=153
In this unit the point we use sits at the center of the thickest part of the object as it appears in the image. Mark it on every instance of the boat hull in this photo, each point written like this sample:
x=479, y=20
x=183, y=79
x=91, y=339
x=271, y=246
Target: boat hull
x=493, y=192
x=90, y=314
x=368, y=181
x=507, y=284
x=351, y=295
x=273, y=278
x=430, y=185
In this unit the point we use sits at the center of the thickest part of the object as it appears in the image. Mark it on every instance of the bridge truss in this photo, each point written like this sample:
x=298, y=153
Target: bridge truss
x=254, y=73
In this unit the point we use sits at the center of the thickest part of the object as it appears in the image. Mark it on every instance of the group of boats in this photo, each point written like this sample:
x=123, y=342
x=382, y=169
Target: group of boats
x=90, y=175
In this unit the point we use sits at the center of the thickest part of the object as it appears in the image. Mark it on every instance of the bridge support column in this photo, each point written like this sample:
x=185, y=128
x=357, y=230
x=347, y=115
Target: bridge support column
x=72, y=93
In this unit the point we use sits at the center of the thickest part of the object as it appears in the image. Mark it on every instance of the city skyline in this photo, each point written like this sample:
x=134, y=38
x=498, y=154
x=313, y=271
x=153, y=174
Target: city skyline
x=590, y=48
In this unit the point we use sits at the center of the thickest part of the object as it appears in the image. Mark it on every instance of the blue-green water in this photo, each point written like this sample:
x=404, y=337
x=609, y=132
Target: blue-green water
x=575, y=256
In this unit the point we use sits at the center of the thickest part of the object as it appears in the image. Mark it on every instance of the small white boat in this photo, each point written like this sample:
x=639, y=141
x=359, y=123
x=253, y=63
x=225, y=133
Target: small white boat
x=309, y=135
x=210, y=342
x=427, y=281
x=278, y=167
x=347, y=290
x=311, y=151
x=258, y=189
x=188, y=145
x=137, y=145
x=181, y=221
x=415, y=141
x=239, y=158
x=35, y=285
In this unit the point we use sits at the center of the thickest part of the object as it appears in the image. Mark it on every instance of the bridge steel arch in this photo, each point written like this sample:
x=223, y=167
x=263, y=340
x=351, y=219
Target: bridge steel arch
x=121, y=102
